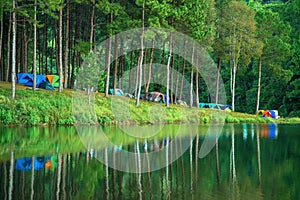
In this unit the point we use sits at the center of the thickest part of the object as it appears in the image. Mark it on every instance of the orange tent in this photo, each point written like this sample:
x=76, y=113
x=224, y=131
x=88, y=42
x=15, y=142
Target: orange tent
x=53, y=80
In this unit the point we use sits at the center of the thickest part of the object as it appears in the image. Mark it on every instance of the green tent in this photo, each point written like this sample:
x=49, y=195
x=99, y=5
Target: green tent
x=53, y=80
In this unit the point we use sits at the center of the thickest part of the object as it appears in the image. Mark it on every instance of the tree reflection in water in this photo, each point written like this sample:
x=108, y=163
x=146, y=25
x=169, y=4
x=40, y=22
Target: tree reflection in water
x=245, y=165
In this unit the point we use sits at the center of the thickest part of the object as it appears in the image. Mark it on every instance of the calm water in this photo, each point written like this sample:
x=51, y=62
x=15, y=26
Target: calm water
x=248, y=162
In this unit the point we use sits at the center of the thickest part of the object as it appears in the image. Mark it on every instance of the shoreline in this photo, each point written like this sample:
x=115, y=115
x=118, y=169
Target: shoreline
x=45, y=108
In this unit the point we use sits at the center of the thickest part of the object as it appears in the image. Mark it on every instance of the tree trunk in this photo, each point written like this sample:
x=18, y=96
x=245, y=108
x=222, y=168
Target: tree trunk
x=141, y=57
x=66, y=64
x=92, y=26
x=172, y=78
x=130, y=67
x=183, y=70
x=192, y=75
x=34, y=49
x=233, y=85
x=108, y=51
x=191, y=88
x=168, y=71
x=150, y=67
x=115, y=64
x=258, y=84
x=39, y=49
x=197, y=82
x=1, y=40
x=8, y=48
x=52, y=47
x=13, y=63
x=218, y=80
x=60, y=51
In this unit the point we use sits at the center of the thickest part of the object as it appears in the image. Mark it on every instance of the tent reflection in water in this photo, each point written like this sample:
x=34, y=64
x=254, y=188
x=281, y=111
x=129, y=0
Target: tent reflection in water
x=23, y=164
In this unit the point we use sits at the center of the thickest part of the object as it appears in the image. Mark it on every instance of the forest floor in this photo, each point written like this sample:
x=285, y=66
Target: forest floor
x=48, y=108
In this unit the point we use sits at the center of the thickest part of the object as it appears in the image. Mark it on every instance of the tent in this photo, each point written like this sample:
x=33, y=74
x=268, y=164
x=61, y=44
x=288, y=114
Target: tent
x=53, y=80
x=267, y=113
x=23, y=78
x=119, y=92
x=46, y=85
x=27, y=79
x=216, y=106
x=156, y=97
x=39, y=79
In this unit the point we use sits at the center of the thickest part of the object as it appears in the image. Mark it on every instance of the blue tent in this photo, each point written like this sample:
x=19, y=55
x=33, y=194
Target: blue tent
x=119, y=92
x=23, y=78
x=214, y=105
x=27, y=79
x=39, y=79
x=26, y=163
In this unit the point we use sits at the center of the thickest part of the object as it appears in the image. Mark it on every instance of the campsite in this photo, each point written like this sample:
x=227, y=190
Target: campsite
x=149, y=99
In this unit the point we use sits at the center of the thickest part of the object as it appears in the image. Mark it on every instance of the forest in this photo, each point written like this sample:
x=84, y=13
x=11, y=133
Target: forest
x=254, y=43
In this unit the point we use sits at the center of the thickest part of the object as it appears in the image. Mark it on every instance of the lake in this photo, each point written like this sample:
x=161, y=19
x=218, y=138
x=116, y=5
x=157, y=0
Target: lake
x=244, y=161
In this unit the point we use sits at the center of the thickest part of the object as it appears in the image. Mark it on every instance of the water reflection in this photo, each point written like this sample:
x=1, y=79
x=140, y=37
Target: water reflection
x=238, y=168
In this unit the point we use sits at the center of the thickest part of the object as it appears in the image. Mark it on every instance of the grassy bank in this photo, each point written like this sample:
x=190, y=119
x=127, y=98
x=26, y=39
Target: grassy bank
x=48, y=108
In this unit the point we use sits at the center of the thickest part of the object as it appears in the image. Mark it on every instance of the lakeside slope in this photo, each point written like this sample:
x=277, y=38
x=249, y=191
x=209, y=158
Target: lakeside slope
x=51, y=108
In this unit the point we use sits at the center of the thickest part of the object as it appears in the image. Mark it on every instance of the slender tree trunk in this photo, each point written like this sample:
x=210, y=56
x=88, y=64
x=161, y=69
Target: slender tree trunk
x=218, y=80
x=191, y=87
x=108, y=65
x=130, y=67
x=258, y=84
x=39, y=49
x=172, y=78
x=197, y=82
x=177, y=75
x=8, y=47
x=60, y=51
x=121, y=63
x=66, y=64
x=46, y=43
x=141, y=57
x=34, y=49
x=1, y=40
x=233, y=85
x=115, y=64
x=108, y=52
x=183, y=70
x=92, y=26
x=13, y=65
x=192, y=75
x=52, y=48
x=150, y=67
x=168, y=71
x=144, y=69
x=24, y=46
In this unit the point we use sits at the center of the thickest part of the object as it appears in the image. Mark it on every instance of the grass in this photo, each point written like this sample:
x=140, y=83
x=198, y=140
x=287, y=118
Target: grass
x=51, y=108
